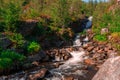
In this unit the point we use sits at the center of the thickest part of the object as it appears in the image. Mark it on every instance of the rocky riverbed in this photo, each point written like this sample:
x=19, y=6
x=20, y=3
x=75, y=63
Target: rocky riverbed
x=67, y=63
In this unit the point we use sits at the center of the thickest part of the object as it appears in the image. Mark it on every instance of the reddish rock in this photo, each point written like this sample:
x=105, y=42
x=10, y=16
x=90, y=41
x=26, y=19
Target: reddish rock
x=100, y=51
x=110, y=70
x=90, y=48
x=106, y=49
x=39, y=75
x=96, y=55
x=89, y=61
x=68, y=78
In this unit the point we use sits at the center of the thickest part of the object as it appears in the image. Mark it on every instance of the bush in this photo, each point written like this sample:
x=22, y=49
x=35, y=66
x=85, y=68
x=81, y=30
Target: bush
x=9, y=58
x=12, y=55
x=17, y=39
x=5, y=63
x=33, y=47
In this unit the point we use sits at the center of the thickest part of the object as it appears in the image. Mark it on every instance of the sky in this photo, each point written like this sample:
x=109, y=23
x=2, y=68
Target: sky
x=94, y=0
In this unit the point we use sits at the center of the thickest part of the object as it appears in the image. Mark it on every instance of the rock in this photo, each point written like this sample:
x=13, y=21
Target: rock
x=106, y=49
x=66, y=57
x=5, y=42
x=39, y=75
x=68, y=78
x=89, y=61
x=35, y=63
x=85, y=46
x=104, y=30
x=110, y=70
x=86, y=39
x=90, y=48
x=100, y=51
x=37, y=57
x=56, y=65
x=96, y=49
x=27, y=27
x=111, y=54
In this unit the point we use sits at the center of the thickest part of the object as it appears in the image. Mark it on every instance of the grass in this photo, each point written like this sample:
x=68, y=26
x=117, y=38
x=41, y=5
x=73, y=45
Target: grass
x=99, y=37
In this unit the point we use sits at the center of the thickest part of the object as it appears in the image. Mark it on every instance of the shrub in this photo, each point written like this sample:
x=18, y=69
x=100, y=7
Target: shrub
x=12, y=55
x=33, y=47
x=5, y=63
x=17, y=39
x=9, y=58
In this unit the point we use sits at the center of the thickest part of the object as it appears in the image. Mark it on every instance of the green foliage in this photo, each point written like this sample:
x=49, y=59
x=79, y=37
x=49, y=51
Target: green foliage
x=41, y=28
x=9, y=58
x=12, y=55
x=17, y=39
x=5, y=63
x=99, y=37
x=10, y=13
x=33, y=47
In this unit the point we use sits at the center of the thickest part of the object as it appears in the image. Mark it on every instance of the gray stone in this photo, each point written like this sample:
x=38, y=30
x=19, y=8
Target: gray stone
x=37, y=57
x=110, y=70
x=5, y=42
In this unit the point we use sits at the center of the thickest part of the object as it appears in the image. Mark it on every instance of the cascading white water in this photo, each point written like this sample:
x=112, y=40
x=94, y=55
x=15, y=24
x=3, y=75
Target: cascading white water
x=77, y=41
x=69, y=66
x=76, y=57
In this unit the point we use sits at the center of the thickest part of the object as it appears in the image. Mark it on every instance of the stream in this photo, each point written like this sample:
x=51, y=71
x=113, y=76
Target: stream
x=71, y=69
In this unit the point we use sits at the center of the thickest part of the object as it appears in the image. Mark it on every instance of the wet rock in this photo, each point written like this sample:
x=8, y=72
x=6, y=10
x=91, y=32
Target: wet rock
x=66, y=57
x=104, y=30
x=57, y=64
x=39, y=75
x=85, y=46
x=110, y=70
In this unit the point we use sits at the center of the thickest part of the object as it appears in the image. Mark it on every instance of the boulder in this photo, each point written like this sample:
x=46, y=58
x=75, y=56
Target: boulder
x=37, y=57
x=5, y=42
x=27, y=27
x=110, y=70
x=42, y=73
